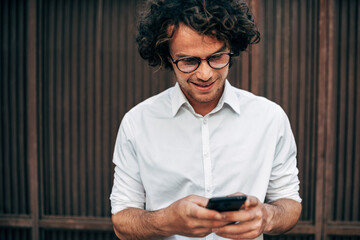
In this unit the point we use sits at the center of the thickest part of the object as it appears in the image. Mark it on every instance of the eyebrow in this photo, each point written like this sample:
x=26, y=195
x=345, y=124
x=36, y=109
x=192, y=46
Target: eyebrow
x=186, y=56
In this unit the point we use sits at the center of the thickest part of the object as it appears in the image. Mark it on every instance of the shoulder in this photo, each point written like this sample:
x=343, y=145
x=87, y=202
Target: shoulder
x=141, y=115
x=260, y=105
x=159, y=104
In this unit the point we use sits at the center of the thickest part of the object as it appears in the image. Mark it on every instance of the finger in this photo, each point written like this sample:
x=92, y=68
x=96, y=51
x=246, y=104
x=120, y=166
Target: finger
x=251, y=201
x=248, y=235
x=237, y=216
x=204, y=213
x=201, y=223
x=237, y=228
x=241, y=230
x=199, y=200
x=237, y=194
x=244, y=215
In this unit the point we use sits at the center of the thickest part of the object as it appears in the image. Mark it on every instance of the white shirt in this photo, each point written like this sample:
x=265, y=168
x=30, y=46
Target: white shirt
x=165, y=151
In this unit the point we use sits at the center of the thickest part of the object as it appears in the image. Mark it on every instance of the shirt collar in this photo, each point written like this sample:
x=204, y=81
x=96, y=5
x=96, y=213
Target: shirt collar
x=229, y=97
x=177, y=99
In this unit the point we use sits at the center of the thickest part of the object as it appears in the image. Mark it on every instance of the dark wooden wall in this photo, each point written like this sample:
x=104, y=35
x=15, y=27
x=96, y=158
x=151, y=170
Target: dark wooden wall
x=70, y=70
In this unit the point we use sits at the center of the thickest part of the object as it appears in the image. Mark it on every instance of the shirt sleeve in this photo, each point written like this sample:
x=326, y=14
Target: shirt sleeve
x=284, y=181
x=128, y=190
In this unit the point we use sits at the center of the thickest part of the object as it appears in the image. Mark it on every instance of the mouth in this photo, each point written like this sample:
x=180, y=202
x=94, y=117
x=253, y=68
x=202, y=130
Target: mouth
x=204, y=86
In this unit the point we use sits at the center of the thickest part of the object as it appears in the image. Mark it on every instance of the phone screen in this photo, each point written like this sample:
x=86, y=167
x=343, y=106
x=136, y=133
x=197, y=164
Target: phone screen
x=225, y=204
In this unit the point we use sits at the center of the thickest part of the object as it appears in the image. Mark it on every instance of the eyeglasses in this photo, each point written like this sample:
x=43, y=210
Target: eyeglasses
x=190, y=64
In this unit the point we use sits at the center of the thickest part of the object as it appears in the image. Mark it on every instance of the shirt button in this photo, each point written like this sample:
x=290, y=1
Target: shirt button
x=205, y=121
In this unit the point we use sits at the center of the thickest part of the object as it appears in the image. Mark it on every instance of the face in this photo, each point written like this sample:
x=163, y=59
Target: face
x=203, y=87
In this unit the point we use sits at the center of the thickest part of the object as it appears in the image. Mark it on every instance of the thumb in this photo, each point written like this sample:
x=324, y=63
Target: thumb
x=251, y=201
x=198, y=200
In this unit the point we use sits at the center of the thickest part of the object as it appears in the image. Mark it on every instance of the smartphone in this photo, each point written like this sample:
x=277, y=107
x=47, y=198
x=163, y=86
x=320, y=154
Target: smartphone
x=226, y=204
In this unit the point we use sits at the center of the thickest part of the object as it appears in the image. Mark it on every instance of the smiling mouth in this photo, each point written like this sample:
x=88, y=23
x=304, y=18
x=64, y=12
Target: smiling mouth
x=203, y=85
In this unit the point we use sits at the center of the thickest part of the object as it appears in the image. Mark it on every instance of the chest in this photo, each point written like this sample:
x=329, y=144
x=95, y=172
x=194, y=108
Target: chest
x=206, y=156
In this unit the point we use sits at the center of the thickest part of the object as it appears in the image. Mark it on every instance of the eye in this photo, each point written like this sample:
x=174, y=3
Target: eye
x=189, y=61
x=216, y=57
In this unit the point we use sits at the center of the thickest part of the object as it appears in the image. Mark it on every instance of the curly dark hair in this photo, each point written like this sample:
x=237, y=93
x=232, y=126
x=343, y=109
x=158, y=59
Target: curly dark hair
x=229, y=21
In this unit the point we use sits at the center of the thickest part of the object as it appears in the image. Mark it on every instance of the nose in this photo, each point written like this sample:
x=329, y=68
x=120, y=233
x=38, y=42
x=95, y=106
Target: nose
x=204, y=71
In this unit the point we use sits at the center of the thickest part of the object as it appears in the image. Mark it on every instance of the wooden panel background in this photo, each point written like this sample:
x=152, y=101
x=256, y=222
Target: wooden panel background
x=282, y=67
x=70, y=70
x=346, y=164
x=14, y=195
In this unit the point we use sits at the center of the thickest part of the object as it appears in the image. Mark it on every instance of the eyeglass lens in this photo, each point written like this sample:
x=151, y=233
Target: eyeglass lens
x=216, y=61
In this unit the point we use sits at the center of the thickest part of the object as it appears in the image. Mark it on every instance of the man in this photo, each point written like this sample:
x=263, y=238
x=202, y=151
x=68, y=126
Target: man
x=202, y=138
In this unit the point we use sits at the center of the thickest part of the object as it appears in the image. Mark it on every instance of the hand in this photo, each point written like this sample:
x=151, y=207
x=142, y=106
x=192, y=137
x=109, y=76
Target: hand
x=189, y=217
x=250, y=220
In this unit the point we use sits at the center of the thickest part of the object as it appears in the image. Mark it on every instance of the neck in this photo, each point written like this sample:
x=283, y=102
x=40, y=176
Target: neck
x=203, y=108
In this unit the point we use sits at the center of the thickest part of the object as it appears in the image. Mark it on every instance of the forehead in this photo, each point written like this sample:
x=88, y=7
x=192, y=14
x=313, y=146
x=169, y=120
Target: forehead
x=188, y=42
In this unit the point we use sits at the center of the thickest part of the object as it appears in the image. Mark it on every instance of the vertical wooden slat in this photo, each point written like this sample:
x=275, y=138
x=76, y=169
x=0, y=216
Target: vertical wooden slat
x=356, y=198
x=301, y=94
x=75, y=106
x=51, y=109
x=122, y=61
x=137, y=61
x=130, y=76
x=269, y=45
x=32, y=137
x=314, y=113
x=106, y=104
x=59, y=107
x=257, y=61
x=114, y=92
x=67, y=139
x=308, y=104
x=2, y=132
x=301, y=101
x=12, y=110
x=98, y=110
x=85, y=80
x=344, y=114
x=127, y=67
x=92, y=103
x=278, y=53
x=285, y=76
x=311, y=95
x=21, y=110
x=330, y=124
x=268, y=48
x=42, y=93
x=325, y=131
x=341, y=116
x=321, y=117
x=294, y=21
x=6, y=108
x=2, y=121
x=350, y=46
x=40, y=106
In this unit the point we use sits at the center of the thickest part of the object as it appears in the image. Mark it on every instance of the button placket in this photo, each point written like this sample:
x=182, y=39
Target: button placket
x=206, y=157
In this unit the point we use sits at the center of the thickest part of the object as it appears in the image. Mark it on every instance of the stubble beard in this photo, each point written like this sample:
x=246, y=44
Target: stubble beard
x=203, y=98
